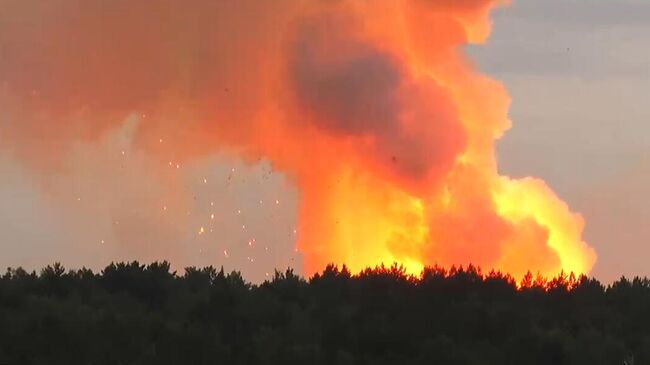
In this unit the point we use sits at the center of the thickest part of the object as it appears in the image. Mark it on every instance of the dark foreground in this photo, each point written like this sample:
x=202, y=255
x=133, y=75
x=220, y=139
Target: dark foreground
x=132, y=314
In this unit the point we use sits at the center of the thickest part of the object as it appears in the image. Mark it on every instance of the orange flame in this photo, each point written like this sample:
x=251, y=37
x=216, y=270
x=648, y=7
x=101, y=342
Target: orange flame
x=460, y=211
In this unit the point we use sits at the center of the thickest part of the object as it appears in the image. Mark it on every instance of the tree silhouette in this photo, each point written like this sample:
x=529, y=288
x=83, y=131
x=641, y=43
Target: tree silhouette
x=131, y=313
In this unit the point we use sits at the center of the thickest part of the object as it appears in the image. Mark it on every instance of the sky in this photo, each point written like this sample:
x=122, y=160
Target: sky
x=576, y=72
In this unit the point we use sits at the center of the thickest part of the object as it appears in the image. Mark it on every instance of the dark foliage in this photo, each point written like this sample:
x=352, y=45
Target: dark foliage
x=144, y=314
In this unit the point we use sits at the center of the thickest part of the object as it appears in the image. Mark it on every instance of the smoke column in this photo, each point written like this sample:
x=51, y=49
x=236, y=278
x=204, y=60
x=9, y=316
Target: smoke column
x=370, y=108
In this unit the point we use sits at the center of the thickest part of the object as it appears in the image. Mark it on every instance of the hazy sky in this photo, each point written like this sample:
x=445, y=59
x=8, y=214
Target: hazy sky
x=578, y=72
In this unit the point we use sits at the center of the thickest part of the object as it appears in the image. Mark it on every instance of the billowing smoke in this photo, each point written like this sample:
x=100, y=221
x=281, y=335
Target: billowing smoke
x=368, y=107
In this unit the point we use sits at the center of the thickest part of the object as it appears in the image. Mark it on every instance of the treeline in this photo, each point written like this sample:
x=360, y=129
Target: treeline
x=144, y=314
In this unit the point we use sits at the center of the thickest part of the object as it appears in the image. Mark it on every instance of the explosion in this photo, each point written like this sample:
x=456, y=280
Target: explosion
x=370, y=108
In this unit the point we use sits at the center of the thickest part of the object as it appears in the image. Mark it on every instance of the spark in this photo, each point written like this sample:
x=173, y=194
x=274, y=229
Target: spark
x=205, y=181
x=201, y=230
x=277, y=202
x=160, y=140
x=123, y=153
x=212, y=204
x=212, y=216
x=225, y=253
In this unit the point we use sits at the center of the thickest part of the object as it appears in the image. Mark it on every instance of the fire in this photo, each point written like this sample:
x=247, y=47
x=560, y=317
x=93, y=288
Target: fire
x=526, y=199
x=459, y=210
x=363, y=222
x=370, y=107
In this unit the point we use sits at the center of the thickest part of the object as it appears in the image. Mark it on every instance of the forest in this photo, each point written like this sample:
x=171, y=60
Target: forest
x=132, y=313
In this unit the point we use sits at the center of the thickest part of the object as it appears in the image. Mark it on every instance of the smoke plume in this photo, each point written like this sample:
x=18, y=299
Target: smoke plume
x=370, y=109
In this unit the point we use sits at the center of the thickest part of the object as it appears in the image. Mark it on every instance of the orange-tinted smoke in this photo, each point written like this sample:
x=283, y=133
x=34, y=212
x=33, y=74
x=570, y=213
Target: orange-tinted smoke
x=370, y=107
